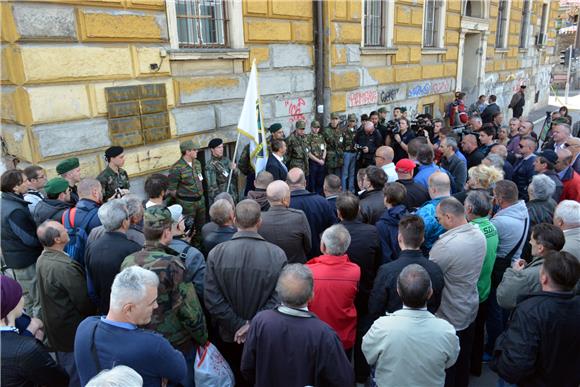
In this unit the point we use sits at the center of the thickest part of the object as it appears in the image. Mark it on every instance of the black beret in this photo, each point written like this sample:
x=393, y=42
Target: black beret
x=215, y=142
x=113, y=151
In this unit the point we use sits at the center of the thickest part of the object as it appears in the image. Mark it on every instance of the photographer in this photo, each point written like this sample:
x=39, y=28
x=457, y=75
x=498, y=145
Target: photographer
x=366, y=143
x=399, y=137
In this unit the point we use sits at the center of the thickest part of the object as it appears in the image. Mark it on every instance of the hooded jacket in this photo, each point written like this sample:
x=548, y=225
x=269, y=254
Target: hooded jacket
x=511, y=222
x=49, y=209
x=388, y=227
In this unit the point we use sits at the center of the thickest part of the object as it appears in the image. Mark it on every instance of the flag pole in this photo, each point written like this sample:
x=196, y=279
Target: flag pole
x=233, y=161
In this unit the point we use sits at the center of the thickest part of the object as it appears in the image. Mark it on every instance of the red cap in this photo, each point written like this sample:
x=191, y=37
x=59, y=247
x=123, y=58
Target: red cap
x=405, y=166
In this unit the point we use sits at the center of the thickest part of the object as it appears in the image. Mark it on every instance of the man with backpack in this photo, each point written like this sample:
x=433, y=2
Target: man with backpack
x=81, y=219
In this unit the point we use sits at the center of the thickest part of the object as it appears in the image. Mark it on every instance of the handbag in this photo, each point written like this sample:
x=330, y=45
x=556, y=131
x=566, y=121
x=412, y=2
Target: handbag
x=211, y=369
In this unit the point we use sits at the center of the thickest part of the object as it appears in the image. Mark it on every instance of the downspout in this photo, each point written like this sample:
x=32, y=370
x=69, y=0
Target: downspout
x=319, y=57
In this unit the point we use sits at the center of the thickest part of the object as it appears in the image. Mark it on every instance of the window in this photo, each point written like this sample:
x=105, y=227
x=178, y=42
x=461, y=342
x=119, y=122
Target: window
x=503, y=12
x=524, y=33
x=433, y=25
x=541, y=37
x=205, y=24
x=378, y=23
x=473, y=8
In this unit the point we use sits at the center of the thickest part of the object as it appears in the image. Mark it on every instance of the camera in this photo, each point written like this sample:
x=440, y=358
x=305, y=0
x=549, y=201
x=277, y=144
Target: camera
x=422, y=125
x=392, y=126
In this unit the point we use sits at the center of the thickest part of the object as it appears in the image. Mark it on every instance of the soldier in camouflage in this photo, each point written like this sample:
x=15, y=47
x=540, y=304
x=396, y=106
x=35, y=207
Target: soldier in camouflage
x=350, y=154
x=317, y=156
x=244, y=164
x=218, y=170
x=179, y=316
x=114, y=179
x=297, y=149
x=335, y=143
x=185, y=186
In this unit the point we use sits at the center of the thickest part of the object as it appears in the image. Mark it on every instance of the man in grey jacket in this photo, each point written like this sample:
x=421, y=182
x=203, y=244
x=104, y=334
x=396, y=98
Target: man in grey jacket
x=285, y=227
x=567, y=217
x=240, y=281
x=459, y=252
x=522, y=279
x=453, y=164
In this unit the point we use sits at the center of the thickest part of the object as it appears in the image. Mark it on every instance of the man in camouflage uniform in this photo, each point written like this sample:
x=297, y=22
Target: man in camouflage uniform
x=179, y=317
x=70, y=170
x=335, y=143
x=244, y=164
x=317, y=156
x=218, y=170
x=114, y=179
x=185, y=185
x=350, y=154
x=297, y=148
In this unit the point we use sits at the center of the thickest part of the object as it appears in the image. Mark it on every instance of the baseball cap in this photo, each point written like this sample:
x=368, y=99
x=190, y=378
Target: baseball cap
x=157, y=217
x=405, y=166
x=549, y=155
x=176, y=212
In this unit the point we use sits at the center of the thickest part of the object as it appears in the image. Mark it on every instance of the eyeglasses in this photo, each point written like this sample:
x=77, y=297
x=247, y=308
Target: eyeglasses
x=521, y=145
x=567, y=145
x=379, y=157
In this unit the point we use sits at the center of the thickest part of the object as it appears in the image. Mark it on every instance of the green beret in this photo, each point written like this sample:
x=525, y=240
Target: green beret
x=300, y=124
x=352, y=117
x=157, y=217
x=275, y=127
x=186, y=145
x=315, y=124
x=67, y=165
x=334, y=116
x=383, y=109
x=403, y=109
x=55, y=186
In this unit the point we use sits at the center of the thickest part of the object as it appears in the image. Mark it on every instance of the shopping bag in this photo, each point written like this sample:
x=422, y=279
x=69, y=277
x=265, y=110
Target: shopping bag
x=211, y=369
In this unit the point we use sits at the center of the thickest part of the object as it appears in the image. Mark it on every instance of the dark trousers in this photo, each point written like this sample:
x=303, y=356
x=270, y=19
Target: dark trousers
x=232, y=352
x=496, y=315
x=361, y=367
x=249, y=183
x=478, y=338
x=316, y=177
x=458, y=374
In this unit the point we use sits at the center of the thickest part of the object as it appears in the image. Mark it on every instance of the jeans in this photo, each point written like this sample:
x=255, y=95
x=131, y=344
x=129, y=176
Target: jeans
x=27, y=279
x=347, y=175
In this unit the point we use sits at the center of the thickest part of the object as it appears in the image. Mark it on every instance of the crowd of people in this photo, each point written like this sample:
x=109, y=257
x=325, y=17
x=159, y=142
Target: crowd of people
x=393, y=252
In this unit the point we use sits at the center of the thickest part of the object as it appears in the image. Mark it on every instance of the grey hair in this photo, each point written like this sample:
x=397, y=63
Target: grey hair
x=495, y=160
x=542, y=187
x=567, y=127
x=226, y=196
x=476, y=118
x=336, y=239
x=451, y=206
x=277, y=191
x=112, y=214
x=295, y=285
x=130, y=285
x=221, y=211
x=569, y=212
x=450, y=141
x=479, y=201
x=134, y=204
x=413, y=285
x=119, y=376
x=86, y=186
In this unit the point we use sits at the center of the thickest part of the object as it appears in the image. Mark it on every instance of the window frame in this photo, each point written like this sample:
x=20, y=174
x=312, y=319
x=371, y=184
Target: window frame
x=506, y=26
x=439, y=22
x=524, y=42
x=544, y=20
x=387, y=22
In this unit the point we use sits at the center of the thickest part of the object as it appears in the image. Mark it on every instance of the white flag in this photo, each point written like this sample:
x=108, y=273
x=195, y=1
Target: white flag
x=251, y=125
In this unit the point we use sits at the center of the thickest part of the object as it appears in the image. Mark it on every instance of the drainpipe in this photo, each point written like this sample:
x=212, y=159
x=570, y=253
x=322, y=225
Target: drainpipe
x=319, y=57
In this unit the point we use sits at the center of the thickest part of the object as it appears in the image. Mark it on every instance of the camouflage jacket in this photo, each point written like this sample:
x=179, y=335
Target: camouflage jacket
x=335, y=143
x=111, y=181
x=316, y=145
x=186, y=180
x=179, y=317
x=348, y=135
x=297, y=152
x=217, y=172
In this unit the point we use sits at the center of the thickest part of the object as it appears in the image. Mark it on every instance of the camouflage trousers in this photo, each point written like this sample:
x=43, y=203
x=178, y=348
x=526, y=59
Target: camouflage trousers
x=195, y=209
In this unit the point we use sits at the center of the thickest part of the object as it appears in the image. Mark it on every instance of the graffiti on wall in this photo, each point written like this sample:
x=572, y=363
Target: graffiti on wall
x=362, y=97
x=294, y=107
x=388, y=95
x=425, y=88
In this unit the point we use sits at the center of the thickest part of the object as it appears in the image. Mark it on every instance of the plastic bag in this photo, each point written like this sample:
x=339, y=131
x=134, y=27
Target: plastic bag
x=211, y=369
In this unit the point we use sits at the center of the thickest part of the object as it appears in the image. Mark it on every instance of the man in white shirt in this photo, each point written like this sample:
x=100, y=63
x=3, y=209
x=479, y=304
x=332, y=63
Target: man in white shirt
x=384, y=159
x=411, y=347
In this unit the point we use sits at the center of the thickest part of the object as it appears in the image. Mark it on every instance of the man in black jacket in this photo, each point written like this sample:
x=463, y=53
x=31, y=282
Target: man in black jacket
x=540, y=347
x=372, y=201
x=104, y=256
x=384, y=296
x=368, y=140
x=490, y=110
x=417, y=195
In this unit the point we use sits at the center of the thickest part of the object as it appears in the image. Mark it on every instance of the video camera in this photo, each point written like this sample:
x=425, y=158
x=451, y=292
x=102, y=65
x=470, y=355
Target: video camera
x=422, y=124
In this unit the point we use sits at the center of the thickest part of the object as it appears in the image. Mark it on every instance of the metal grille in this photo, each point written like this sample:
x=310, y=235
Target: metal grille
x=374, y=23
x=501, y=24
x=201, y=23
x=431, y=23
x=525, y=24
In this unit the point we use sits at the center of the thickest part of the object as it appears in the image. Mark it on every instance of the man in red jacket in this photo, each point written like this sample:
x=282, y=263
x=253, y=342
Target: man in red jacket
x=570, y=178
x=335, y=285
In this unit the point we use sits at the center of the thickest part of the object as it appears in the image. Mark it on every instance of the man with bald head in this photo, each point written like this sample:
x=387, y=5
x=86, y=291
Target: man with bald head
x=384, y=159
x=368, y=140
x=570, y=178
x=285, y=227
x=439, y=189
x=474, y=155
x=316, y=208
x=62, y=290
x=561, y=133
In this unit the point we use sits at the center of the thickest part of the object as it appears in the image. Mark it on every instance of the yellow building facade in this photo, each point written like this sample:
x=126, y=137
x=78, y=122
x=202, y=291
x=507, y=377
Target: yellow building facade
x=80, y=75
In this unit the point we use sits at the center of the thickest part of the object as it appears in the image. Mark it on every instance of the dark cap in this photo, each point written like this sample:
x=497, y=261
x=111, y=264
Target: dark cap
x=215, y=142
x=300, y=124
x=549, y=155
x=523, y=86
x=382, y=109
x=352, y=117
x=157, y=217
x=113, y=151
x=186, y=145
x=315, y=124
x=334, y=116
x=67, y=165
x=11, y=295
x=274, y=127
x=55, y=186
